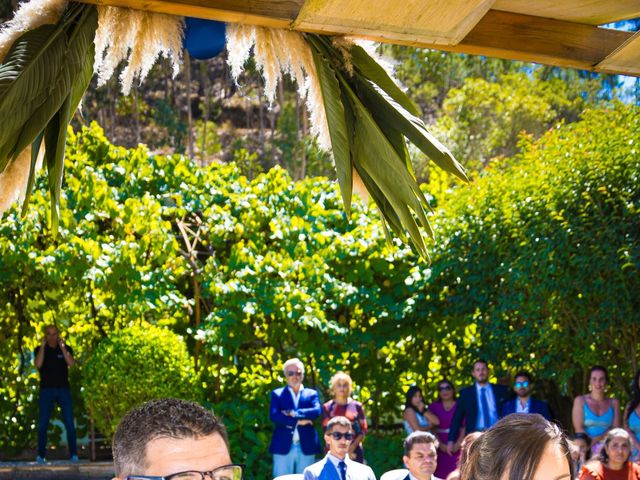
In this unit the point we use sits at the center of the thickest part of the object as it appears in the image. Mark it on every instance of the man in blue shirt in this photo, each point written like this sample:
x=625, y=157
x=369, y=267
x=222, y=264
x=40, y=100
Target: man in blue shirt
x=293, y=409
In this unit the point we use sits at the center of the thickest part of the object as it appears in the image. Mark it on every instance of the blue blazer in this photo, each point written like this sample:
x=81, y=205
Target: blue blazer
x=536, y=406
x=467, y=408
x=308, y=407
x=324, y=470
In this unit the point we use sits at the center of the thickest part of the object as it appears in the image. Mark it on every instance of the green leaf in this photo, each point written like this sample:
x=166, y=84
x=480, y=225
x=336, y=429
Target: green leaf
x=35, y=150
x=336, y=121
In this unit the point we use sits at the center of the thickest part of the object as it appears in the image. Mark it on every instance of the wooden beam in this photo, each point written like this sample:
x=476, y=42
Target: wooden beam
x=266, y=13
x=592, y=12
x=625, y=58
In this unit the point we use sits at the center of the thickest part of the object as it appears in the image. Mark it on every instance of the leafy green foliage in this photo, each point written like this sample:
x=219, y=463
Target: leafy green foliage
x=116, y=376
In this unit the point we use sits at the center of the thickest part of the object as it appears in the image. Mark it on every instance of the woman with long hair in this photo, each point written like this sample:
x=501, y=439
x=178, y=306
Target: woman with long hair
x=444, y=408
x=595, y=413
x=521, y=446
x=632, y=418
x=613, y=461
x=416, y=416
x=342, y=405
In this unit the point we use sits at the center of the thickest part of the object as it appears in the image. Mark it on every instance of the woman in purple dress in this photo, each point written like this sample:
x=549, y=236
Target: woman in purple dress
x=444, y=408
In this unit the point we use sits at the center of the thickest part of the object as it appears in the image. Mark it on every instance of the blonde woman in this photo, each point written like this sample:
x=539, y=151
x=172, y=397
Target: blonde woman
x=343, y=405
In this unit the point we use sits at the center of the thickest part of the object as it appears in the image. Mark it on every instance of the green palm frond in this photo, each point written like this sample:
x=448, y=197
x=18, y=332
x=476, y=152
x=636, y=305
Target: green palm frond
x=370, y=120
x=42, y=80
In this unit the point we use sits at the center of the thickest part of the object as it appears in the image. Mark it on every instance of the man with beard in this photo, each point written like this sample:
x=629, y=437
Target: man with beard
x=524, y=402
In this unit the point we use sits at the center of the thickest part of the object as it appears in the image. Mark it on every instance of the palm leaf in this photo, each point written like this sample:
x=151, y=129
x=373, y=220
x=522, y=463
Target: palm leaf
x=35, y=150
x=338, y=132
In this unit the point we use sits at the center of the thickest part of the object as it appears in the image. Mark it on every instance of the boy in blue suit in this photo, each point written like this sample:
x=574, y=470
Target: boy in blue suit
x=337, y=465
x=524, y=402
x=293, y=409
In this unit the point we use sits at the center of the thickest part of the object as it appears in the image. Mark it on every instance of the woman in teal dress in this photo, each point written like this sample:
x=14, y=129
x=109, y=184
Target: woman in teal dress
x=596, y=412
x=632, y=418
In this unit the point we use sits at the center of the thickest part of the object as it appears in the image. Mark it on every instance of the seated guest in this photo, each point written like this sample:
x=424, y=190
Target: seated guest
x=519, y=447
x=444, y=408
x=582, y=444
x=420, y=456
x=337, y=465
x=524, y=402
x=632, y=418
x=343, y=405
x=596, y=412
x=172, y=439
x=613, y=461
x=464, y=454
x=417, y=418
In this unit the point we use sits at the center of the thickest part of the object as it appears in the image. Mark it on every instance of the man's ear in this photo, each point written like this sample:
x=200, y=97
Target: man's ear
x=405, y=459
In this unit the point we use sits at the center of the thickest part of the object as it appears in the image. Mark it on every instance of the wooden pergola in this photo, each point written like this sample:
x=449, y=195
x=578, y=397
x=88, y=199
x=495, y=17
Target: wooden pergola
x=564, y=33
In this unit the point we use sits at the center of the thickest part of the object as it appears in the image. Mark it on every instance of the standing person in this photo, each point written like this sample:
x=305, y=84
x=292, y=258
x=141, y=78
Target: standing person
x=293, y=408
x=416, y=416
x=337, y=465
x=632, y=418
x=524, y=402
x=343, y=405
x=53, y=359
x=478, y=405
x=444, y=408
x=596, y=413
x=613, y=461
x=420, y=456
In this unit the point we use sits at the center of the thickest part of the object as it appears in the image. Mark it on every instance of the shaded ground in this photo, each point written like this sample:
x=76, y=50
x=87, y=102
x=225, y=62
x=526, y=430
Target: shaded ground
x=57, y=469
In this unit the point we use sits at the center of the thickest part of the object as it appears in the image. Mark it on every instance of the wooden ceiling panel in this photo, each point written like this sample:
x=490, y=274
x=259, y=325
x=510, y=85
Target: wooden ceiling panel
x=443, y=22
x=591, y=12
x=624, y=59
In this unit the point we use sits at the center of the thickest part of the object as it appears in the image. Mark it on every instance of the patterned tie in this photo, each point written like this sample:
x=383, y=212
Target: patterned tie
x=485, y=407
x=343, y=470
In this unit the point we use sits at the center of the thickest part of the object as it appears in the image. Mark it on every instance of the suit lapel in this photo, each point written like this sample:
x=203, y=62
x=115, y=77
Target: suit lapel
x=329, y=472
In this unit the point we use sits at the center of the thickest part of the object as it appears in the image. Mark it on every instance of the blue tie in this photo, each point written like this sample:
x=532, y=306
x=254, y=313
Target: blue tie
x=343, y=470
x=485, y=407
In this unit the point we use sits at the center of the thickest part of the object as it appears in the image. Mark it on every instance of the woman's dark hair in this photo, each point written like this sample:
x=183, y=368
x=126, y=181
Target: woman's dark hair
x=635, y=398
x=410, y=393
x=450, y=383
x=515, y=445
x=611, y=434
x=599, y=368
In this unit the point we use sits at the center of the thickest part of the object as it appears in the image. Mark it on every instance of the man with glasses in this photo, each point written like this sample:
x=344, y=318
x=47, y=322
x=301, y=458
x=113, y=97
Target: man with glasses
x=293, y=409
x=421, y=456
x=170, y=439
x=524, y=402
x=337, y=465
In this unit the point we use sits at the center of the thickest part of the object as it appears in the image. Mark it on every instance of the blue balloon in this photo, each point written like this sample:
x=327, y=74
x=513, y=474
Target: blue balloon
x=204, y=39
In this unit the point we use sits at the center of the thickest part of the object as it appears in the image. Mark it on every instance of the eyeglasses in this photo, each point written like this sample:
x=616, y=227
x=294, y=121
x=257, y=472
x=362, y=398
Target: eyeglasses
x=291, y=373
x=524, y=384
x=443, y=388
x=226, y=472
x=339, y=435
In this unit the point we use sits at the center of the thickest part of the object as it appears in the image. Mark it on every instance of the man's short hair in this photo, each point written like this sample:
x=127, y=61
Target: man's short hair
x=480, y=360
x=162, y=418
x=339, y=420
x=525, y=374
x=292, y=361
x=418, y=437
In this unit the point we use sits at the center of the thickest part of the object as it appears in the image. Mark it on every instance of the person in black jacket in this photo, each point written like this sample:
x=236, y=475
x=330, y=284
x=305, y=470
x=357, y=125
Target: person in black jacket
x=53, y=359
x=478, y=405
x=524, y=402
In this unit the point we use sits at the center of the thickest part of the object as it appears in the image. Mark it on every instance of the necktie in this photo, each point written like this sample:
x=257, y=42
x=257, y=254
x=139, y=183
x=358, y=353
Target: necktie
x=343, y=470
x=485, y=407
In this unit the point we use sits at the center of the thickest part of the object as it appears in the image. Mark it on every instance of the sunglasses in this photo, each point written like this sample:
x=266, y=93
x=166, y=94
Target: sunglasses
x=524, y=384
x=227, y=472
x=339, y=435
x=443, y=388
x=291, y=373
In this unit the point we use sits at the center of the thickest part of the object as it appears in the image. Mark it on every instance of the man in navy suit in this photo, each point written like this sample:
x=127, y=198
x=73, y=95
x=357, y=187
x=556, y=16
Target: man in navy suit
x=421, y=456
x=293, y=409
x=524, y=402
x=478, y=405
x=337, y=465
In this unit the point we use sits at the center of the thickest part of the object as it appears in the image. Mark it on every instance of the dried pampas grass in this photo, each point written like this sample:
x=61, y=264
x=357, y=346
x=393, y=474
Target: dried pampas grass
x=276, y=52
x=138, y=37
x=29, y=16
x=14, y=179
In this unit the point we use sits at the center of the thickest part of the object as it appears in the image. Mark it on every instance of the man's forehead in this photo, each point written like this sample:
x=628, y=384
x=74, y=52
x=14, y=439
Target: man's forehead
x=340, y=428
x=166, y=455
x=423, y=447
